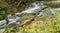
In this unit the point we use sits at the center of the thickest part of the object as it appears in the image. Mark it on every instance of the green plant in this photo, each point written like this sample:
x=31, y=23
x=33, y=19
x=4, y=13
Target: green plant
x=2, y=13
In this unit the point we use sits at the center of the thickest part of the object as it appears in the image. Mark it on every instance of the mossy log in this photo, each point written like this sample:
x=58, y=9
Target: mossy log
x=54, y=4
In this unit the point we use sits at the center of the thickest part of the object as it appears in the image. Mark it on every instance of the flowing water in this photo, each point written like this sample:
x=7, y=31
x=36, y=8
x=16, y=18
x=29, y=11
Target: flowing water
x=37, y=8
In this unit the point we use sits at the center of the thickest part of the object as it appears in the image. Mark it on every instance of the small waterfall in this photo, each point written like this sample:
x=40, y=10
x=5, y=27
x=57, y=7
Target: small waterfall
x=55, y=10
x=48, y=11
x=37, y=7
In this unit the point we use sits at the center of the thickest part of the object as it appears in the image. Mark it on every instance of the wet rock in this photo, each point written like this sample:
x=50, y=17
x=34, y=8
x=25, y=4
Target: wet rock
x=2, y=22
x=48, y=11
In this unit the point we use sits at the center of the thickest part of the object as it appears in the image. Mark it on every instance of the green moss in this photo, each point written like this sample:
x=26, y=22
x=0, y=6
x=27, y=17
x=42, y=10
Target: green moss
x=23, y=18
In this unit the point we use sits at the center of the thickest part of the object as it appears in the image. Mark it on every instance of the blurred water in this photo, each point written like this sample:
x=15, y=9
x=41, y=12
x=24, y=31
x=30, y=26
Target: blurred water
x=48, y=11
x=37, y=7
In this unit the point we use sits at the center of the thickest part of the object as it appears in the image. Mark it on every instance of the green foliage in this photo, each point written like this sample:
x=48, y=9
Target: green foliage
x=23, y=18
x=2, y=13
x=9, y=30
x=57, y=22
x=10, y=1
x=51, y=25
x=3, y=5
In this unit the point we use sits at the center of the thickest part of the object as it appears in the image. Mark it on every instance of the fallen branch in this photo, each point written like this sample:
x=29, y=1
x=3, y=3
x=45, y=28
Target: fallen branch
x=27, y=21
x=20, y=24
x=18, y=3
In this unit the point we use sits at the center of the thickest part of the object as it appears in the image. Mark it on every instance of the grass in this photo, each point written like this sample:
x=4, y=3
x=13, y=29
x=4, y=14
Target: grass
x=49, y=25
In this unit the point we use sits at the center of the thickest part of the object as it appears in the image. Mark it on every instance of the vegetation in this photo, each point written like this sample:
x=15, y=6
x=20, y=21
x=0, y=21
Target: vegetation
x=2, y=13
x=48, y=24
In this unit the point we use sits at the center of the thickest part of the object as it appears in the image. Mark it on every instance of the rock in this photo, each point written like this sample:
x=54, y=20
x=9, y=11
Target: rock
x=2, y=22
x=48, y=11
x=45, y=13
